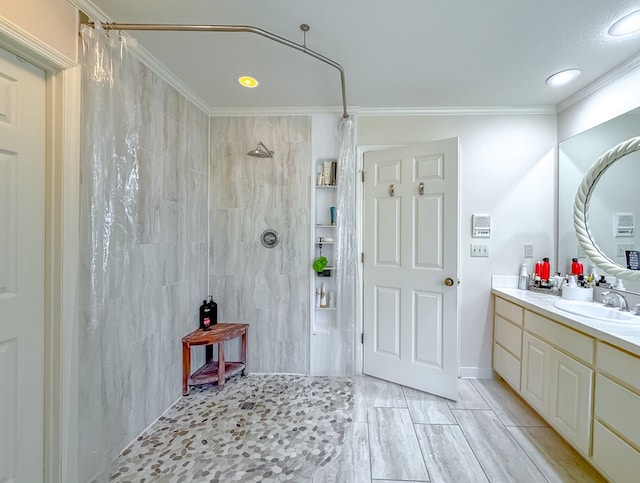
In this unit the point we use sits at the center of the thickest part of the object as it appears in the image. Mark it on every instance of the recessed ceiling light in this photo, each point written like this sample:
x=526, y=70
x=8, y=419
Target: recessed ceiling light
x=563, y=77
x=248, y=81
x=626, y=25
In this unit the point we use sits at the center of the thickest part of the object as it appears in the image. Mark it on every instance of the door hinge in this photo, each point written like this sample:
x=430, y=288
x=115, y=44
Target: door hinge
x=362, y=175
x=362, y=257
x=362, y=337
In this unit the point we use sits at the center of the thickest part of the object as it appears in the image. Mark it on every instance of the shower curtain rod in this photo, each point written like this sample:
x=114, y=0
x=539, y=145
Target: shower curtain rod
x=237, y=28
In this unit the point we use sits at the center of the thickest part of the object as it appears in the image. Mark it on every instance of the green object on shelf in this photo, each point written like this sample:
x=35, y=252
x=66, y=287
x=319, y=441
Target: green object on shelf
x=319, y=264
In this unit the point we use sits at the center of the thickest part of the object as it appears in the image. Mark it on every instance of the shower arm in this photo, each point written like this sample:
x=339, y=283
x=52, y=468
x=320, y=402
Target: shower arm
x=237, y=28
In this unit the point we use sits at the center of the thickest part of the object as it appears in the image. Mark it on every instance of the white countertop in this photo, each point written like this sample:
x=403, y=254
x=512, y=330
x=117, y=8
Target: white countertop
x=625, y=335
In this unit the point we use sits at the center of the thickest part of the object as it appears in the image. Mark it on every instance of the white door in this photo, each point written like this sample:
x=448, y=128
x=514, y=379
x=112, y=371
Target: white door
x=411, y=266
x=22, y=194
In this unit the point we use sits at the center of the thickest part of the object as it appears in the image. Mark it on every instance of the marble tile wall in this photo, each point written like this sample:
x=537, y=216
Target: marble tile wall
x=130, y=361
x=266, y=288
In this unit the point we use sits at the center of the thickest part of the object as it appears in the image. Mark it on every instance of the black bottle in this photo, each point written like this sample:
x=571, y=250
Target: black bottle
x=213, y=311
x=205, y=316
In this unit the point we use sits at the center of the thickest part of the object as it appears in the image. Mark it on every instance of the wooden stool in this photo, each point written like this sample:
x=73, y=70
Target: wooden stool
x=212, y=371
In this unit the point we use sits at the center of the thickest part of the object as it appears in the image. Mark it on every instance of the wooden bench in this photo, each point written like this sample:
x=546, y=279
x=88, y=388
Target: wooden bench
x=212, y=371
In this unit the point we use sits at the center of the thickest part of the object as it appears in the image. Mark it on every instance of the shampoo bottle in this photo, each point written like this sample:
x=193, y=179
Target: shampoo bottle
x=323, y=297
x=205, y=316
x=213, y=311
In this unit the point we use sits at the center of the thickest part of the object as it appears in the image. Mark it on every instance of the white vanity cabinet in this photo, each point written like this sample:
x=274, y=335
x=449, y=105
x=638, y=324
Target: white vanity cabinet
x=507, y=336
x=536, y=372
x=558, y=377
x=576, y=378
x=616, y=435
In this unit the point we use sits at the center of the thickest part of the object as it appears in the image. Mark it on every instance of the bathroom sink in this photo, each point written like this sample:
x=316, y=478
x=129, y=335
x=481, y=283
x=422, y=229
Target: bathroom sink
x=593, y=310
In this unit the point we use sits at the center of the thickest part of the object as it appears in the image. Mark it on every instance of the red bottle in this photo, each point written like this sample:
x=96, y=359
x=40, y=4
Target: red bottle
x=538, y=269
x=576, y=267
x=546, y=269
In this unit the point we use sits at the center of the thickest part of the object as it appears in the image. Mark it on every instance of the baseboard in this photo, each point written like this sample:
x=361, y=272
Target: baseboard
x=477, y=373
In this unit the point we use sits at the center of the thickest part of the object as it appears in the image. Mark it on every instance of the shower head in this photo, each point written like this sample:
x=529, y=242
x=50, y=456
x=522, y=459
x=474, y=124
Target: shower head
x=261, y=151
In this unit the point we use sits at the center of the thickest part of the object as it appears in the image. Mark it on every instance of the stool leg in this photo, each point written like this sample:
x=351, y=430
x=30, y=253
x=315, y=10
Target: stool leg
x=243, y=355
x=221, y=370
x=186, y=367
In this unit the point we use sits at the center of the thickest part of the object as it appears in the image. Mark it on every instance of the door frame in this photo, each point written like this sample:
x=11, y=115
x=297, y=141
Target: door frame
x=62, y=156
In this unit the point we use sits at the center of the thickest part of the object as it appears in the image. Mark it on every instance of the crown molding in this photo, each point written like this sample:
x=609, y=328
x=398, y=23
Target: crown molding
x=600, y=82
x=387, y=111
x=93, y=12
x=458, y=111
x=31, y=48
x=143, y=55
x=278, y=111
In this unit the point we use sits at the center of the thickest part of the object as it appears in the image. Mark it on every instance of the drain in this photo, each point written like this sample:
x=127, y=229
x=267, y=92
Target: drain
x=247, y=405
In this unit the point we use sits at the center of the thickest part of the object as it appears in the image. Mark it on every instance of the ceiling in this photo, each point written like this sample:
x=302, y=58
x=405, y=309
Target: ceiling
x=402, y=54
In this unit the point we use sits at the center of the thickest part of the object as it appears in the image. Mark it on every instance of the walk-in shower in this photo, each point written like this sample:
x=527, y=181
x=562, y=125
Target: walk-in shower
x=261, y=151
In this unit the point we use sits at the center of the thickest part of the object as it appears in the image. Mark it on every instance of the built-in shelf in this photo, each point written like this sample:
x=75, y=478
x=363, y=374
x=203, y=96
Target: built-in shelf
x=323, y=319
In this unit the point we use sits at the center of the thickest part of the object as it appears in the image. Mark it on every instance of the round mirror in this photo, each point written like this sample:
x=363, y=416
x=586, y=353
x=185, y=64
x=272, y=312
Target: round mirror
x=582, y=215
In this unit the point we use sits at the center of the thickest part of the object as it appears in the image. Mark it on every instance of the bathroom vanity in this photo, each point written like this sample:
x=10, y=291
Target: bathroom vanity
x=582, y=375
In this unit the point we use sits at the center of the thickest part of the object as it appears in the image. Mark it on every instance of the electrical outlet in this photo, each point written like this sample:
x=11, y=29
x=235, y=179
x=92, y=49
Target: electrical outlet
x=528, y=250
x=622, y=247
x=479, y=250
x=581, y=253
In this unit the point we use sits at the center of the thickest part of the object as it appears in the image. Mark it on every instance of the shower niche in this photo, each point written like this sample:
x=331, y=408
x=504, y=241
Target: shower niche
x=324, y=243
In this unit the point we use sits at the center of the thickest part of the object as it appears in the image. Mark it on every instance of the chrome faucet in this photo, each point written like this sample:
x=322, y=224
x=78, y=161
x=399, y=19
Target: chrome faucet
x=607, y=299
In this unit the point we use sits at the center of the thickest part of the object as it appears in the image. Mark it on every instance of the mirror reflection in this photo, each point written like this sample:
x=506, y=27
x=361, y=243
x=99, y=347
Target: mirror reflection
x=612, y=197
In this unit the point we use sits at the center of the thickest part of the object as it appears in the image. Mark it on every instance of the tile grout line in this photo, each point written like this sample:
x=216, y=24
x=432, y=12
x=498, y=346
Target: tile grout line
x=413, y=426
x=467, y=439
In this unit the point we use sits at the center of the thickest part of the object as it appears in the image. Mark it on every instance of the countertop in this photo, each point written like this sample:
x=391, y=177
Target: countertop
x=625, y=335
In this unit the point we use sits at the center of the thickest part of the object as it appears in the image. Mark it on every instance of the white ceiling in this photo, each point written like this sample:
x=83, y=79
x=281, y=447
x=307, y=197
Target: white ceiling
x=396, y=54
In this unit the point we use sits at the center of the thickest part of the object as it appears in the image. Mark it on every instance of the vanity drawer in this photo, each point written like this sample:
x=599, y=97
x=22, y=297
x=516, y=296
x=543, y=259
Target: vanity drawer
x=619, y=461
x=509, y=311
x=507, y=366
x=618, y=408
x=621, y=365
x=508, y=335
x=571, y=341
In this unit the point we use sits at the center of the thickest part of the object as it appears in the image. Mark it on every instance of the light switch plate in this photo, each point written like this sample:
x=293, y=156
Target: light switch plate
x=528, y=250
x=479, y=250
x=622, y=247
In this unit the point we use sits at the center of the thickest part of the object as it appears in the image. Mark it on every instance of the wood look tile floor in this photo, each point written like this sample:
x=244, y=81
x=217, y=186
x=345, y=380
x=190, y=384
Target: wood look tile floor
x=488, y=435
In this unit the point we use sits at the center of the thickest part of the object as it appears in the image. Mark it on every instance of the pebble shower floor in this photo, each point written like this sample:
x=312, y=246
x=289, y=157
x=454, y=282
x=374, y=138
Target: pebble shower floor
x=260, y=428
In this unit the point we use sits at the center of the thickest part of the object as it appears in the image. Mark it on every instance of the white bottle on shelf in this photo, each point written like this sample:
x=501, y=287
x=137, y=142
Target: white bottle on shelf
x=323, y=297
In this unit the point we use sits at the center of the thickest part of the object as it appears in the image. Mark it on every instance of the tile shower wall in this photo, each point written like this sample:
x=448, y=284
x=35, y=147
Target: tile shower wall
x=266, y=288
x=130, y=366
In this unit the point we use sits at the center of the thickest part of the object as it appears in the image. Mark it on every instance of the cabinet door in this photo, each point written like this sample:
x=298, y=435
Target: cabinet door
x=536, y=372
x=570, y=400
